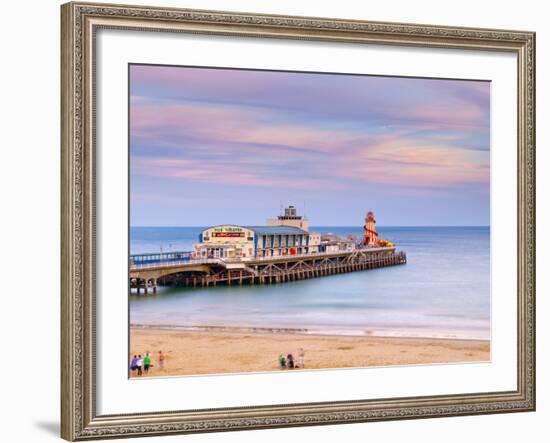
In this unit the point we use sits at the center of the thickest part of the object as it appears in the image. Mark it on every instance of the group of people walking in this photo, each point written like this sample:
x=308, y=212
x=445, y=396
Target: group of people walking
x=290, y=363
x=143, y=364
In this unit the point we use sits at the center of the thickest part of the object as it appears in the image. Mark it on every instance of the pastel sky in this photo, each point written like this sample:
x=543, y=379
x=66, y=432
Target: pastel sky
x=214, y=146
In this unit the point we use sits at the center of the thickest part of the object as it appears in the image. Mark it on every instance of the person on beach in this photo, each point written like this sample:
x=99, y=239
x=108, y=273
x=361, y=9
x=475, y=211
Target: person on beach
x=139, y=364
x=301, y=357
x=133, y=364
x=147, y=362
x=161, y=359
x=290, y=361
x=282, y=362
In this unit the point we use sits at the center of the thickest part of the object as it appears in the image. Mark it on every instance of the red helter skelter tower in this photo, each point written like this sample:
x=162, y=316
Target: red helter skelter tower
x=370, y=236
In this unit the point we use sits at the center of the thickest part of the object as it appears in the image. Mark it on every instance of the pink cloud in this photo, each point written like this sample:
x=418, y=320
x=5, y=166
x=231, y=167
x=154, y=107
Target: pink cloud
x=401, y=161
x=231, y=124
x=221, y=173
x=399, y=99
x=262, y=142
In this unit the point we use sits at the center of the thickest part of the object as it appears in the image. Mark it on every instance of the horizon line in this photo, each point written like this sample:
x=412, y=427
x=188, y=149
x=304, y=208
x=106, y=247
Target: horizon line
x=318, y=226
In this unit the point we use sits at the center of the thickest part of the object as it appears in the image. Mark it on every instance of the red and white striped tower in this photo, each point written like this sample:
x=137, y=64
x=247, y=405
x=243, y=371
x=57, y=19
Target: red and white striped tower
x=370, y=236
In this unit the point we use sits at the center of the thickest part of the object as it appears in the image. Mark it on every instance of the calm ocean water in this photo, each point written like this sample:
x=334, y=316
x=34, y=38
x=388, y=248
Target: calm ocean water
x=443, y=290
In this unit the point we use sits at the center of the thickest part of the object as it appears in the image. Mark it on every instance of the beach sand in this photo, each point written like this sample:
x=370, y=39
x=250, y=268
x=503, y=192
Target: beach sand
x=217, y=352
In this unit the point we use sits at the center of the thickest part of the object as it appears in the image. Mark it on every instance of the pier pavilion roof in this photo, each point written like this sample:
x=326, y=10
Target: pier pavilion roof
x=276, y=230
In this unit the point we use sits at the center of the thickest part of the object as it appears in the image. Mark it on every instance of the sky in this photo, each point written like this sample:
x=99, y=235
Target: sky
x=224, y=146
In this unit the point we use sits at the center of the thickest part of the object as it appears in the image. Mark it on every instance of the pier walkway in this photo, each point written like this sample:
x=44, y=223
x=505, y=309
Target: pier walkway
x=147, y=271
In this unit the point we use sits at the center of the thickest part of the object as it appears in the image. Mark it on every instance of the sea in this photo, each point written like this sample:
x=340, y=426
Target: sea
x=442, y=292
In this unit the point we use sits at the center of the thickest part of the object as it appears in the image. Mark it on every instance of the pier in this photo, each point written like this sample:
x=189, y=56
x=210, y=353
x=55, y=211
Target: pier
x=148, y=271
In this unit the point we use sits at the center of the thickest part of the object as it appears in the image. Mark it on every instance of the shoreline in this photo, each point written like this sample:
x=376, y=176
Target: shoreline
x=216, y=351
x=312, y=331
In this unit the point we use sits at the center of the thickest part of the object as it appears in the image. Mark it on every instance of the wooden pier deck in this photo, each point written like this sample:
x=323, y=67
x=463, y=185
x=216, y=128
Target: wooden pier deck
x=264, y=270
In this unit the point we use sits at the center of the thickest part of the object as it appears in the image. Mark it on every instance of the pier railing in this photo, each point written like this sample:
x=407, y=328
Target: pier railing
x=320, y=254
x=165, y=263
x=187, y=259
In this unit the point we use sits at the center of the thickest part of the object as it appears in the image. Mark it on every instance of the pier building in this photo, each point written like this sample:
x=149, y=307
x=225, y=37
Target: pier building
x=225, y=241
x=290, y=217
x=229, y=241
x=284, y=250
x=335, y=243
x=288, y=234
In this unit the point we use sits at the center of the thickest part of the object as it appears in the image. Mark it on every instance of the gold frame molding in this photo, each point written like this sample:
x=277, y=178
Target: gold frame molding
x=79, y=22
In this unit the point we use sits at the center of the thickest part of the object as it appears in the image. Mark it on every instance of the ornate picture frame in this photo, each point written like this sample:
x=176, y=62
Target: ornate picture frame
x=80, y=22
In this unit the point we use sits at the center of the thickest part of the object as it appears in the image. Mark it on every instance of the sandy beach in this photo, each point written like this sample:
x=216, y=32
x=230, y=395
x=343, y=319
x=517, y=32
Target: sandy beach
x=225, y=351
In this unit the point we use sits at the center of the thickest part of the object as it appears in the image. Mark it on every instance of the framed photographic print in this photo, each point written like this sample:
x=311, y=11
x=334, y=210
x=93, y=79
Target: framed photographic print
x=284, y=221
